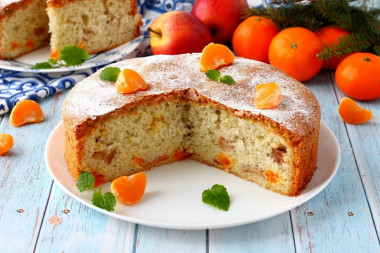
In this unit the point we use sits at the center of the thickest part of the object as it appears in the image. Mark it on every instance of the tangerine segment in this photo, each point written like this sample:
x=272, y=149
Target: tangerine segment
x=215, y=56
x=179, y=155
x=26, y=111
x=129, y=189
x=268, y=95
x=225, y=161
x=130, y=81
x=352, y=113
x=99, y=179
x=6, y=143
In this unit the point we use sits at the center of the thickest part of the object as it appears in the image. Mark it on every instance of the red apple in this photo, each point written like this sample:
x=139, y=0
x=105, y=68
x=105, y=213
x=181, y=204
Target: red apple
x=220, y=16
x=178, y=32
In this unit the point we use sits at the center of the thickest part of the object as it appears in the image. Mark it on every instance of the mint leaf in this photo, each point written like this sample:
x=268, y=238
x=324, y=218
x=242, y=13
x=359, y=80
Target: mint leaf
x=109, y=74
x=227, y=79
x=52, y=61
x=213, y=74
x=85, y=181
x=73, y=55
x=106, y=201
x=217, y=196
x=42, y=65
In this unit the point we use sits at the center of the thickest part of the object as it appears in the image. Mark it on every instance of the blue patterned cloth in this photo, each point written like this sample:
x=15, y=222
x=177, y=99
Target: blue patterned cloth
x=16, y=86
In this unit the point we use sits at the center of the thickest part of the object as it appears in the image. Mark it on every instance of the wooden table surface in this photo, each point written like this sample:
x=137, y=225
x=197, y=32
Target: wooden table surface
x=37, y=215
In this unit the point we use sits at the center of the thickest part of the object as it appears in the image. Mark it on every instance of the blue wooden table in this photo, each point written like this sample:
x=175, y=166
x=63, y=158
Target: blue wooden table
x=36, y=215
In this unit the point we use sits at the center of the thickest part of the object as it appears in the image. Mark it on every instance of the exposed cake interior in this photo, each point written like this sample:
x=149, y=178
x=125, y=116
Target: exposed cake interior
x=156, y=133
x=23, y=29
x=94, y=25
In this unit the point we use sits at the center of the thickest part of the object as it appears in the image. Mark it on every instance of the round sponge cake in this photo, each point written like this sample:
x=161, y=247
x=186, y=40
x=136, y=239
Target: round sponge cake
x=185, y=114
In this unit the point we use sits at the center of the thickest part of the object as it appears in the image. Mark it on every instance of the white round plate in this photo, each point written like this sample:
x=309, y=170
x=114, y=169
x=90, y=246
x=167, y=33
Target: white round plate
x=25, y=62
x=173, y=196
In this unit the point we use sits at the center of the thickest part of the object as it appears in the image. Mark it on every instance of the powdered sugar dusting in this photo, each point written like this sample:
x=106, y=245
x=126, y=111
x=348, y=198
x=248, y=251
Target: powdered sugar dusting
x=297, y=110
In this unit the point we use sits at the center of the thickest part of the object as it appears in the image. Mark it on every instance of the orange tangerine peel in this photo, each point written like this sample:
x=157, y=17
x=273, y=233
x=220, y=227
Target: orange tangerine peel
x=225, y=161
x=215, y=56
x=6, y=143
x=129, y=81
x=26, y=111
x=268, y=95
x=352, y=113
x=129, y=189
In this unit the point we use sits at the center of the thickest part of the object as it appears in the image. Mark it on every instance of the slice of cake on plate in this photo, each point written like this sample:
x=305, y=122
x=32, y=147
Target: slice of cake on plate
x=23, y=27
x=95, y=25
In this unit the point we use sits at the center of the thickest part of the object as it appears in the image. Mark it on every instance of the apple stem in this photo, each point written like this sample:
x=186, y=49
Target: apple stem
x=153, y=31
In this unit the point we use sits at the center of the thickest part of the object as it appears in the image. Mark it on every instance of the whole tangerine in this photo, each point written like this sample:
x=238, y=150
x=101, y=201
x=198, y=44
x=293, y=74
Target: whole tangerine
x=358, y=76
x=252, y=38
x=329, y=35
x=294, y=50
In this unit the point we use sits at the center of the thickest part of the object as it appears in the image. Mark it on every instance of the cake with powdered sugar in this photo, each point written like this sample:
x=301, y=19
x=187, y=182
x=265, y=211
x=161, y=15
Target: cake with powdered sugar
x=185, y=114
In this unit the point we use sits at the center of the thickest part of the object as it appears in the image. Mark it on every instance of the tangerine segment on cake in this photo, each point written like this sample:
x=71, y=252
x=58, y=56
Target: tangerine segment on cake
x=184, y=112
x=93, y=25
x=23, y=27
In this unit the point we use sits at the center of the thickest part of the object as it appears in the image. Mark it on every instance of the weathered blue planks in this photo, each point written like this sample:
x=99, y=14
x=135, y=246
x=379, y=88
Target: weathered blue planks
x=149, y=239
x=365, y=143
x=69, y=226
x=324, y=224
x=24, y=182
x=271, y=235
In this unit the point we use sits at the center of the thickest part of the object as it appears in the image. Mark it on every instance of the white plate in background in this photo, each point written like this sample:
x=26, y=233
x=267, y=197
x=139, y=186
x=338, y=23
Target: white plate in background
x=24, y=62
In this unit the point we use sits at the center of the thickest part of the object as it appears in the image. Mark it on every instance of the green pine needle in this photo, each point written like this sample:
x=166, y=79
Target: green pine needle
x=346, y=45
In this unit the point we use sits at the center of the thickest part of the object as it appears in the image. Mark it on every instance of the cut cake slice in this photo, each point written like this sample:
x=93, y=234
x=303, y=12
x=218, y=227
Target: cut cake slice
x=23, y=27
x=95, y=25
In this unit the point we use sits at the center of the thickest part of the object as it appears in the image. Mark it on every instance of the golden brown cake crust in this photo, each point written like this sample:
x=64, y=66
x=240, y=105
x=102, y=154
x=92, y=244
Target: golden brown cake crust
x=296, y=119
x=8, y=6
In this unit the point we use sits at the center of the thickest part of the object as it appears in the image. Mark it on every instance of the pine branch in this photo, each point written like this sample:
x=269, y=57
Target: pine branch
x=283, y=2
x=330, y=9
x=346, y=45
x=294, y=15
x=374, y=12
x=376, y=49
